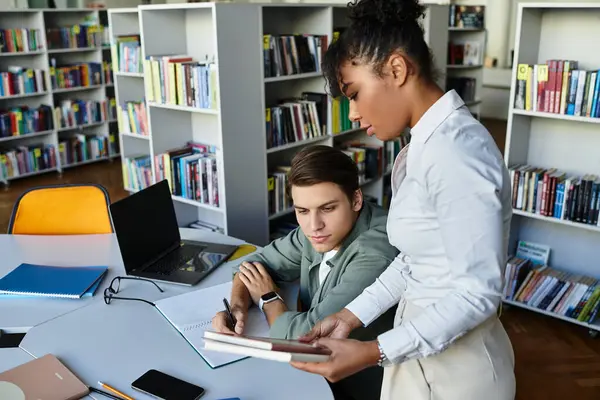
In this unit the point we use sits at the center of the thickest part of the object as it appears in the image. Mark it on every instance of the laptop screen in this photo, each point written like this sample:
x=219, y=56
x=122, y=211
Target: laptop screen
x=145, y=225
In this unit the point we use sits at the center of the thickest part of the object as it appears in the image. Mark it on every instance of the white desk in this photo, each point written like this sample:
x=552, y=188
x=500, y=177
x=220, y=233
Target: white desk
x=10, y=358
x=117, y=343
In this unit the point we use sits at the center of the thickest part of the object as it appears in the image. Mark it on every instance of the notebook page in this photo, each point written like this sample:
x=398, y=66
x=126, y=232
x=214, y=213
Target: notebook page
x=191, y=314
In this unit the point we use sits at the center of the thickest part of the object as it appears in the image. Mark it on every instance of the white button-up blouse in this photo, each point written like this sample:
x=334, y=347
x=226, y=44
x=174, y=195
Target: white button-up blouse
x=450, y=217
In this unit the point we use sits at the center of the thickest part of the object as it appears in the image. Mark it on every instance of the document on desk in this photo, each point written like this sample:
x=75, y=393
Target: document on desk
x=191, y=314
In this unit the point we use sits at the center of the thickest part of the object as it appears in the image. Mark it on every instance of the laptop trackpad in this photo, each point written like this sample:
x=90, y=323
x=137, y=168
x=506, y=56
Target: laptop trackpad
x=203, y=262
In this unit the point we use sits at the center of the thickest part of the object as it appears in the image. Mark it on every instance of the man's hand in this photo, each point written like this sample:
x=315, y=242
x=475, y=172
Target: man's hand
x=256, y=279
x=335, y=326
x=219, y=321
x=348, y=357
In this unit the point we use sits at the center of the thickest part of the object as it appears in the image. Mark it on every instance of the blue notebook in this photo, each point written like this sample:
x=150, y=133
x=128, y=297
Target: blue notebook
x=50, y=281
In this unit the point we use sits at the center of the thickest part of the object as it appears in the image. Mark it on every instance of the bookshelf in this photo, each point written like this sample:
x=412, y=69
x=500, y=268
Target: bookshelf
x=58, y=115
x=551, y=151
x=466, y=51
x=230, y=126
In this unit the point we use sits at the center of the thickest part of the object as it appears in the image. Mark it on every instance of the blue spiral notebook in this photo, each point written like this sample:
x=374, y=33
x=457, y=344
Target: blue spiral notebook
x=52, y=281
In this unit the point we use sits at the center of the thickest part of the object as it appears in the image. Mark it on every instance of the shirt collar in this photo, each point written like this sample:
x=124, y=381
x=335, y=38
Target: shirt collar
x=436, y=115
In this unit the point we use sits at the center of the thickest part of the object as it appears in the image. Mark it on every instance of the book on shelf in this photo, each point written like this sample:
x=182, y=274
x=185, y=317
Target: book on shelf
x=278, y=198
x=536, y=284
x=368, y=159
x=26, y=159
x=462, y=16
x=132, y=118
x=465, y=52
x=75, y=75
x=553, y=193
x=78, y=36
x=21, y=80
x=558, y=87
x=340, y=115
x=293, y=120
x=23, y=120
x=181, y=80
x=127, y=52
x=285, y=55
x=192, y=172
x=73, y=113
x=137, y=172
x=107, y=73
x=465, y=87
x=80, y=147
x=20, y=40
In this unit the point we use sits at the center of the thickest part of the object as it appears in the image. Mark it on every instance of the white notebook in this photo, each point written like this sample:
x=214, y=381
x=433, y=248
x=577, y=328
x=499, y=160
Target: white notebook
x=191, y=314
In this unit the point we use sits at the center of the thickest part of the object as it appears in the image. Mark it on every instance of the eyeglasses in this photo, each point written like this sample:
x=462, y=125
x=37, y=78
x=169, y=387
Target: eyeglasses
x=115, y=284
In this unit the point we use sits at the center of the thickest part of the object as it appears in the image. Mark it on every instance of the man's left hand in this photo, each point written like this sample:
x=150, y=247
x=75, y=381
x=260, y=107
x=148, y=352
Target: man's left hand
x=348, y=356
x=257, y=280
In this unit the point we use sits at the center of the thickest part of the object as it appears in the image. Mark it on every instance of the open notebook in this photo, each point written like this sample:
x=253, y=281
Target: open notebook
x=191, y=314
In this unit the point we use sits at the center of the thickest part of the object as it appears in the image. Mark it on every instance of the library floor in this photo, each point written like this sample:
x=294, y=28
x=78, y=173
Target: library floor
x=554, y=359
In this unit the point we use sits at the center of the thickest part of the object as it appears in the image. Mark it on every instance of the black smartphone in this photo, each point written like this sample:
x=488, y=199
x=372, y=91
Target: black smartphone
x=166, y=387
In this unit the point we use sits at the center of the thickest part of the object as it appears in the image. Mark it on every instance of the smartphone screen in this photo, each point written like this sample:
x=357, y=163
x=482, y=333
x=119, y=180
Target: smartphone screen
x=166, y=387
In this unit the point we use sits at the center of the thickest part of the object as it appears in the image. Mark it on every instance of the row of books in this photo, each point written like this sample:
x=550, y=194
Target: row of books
x=278, y=198
x=133, y=118
x=206, y=226
x=181, y=80
x=466, y=16
x=23, y=120
x=368, y=157
x=80, y=148
x=192, y=172
x=72, y=113
x=27, y=159
x=20, y=80
x=292, y=121
x=554, y=193
x=20, y=40
x=559, y=87
x=137, y=172
x=553, y=290
x=75, y=37
x=292, y=54
x=340, y=115
x=128, y=53
x=466, y=87
x=467, y=52
x=76, y=75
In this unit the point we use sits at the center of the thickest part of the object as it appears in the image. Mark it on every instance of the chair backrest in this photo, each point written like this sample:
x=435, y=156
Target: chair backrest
x=71, y=209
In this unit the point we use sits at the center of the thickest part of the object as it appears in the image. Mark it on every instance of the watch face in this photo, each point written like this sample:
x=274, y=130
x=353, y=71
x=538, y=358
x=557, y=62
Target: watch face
x=268, y=296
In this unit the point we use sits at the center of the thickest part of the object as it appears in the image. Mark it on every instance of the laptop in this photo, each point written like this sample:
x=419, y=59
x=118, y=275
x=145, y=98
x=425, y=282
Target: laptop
x=151, y=247
x=42, y=378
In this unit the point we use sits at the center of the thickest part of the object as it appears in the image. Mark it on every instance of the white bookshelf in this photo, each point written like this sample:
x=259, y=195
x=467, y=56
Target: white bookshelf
x=43, y=19
x=556, y=31
x=233, y=35
x=474, y=67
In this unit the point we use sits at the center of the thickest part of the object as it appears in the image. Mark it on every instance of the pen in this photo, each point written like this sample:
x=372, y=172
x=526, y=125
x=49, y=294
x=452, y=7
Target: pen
x=103, y=393
x=230, y=317
x=115, y=391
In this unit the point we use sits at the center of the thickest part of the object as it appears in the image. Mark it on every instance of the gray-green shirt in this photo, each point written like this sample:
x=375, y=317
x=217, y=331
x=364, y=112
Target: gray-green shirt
x=362, y=257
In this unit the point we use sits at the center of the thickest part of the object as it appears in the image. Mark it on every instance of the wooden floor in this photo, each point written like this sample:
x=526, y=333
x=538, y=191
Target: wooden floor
x=554, y=359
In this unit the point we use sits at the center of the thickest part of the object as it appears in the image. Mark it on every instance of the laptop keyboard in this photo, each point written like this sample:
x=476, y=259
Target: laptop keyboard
x=174, y=260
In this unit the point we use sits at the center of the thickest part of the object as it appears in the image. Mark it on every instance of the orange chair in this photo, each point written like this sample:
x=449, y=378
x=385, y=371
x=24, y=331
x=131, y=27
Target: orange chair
x=71, y=209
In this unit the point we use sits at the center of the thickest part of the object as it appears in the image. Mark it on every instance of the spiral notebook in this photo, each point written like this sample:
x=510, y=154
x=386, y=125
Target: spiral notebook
x=191, y=314
x=51, y=281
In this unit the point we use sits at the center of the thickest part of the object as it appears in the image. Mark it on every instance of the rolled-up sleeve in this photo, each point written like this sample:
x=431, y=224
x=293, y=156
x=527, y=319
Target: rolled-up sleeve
x=465, y=189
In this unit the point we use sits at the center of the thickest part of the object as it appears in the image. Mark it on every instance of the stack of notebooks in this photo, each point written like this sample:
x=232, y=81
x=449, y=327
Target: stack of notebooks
x=33, y=280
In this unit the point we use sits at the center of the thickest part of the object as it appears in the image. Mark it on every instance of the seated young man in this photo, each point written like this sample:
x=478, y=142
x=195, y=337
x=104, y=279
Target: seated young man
x=339, y=249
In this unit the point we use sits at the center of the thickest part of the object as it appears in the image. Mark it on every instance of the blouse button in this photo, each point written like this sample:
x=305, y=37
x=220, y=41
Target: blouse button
x=406, y=258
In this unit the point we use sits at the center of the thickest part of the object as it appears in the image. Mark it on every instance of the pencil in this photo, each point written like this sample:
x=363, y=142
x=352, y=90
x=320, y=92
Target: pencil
x=115, y=391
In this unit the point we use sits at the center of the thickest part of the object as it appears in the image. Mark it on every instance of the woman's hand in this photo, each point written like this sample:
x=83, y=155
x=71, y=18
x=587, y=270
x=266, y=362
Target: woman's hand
x=348, y=357
x=256, y=279
x=335, y=326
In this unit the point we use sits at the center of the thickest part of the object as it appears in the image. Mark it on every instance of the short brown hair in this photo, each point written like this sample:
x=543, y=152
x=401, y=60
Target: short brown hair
x=318, y=163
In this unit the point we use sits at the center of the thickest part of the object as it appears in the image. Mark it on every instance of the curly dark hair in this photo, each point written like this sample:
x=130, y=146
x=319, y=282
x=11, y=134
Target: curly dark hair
x=377, y=29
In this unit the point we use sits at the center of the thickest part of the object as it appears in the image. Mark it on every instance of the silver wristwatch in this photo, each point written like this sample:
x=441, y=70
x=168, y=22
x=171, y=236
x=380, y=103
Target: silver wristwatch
x=383, y=360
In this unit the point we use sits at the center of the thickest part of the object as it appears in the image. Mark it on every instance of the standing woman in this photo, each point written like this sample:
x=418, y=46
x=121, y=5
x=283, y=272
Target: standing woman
x=449, y=216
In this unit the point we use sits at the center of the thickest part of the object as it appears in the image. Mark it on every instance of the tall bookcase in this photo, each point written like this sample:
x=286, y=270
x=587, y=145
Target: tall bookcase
x=466, y=52
x=552, y=151
x=235, y=40
x=36, y=45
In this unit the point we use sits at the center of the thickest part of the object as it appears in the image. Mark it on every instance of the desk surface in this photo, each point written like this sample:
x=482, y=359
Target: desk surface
x=10, y=358
x=117, y=343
